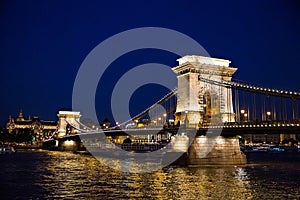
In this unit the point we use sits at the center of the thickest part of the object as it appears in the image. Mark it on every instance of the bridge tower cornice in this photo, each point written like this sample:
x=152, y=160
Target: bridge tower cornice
x=204, y=69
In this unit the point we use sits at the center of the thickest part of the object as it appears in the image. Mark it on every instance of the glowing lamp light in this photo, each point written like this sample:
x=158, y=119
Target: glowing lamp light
x=243, y=111
x=69, y=142
x=268, y=113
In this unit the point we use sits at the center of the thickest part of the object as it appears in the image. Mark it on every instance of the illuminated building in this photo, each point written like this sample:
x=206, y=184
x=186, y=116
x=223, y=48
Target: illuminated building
x=38, y=129
x=262, y=138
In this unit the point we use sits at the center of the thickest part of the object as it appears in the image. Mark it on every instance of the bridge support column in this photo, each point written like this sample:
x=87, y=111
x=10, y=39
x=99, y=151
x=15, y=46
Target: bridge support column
x=215, y=151
x=68, y=145
x=180, y=143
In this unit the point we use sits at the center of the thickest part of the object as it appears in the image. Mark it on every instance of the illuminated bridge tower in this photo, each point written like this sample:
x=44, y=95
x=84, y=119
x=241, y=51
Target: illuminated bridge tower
x=200, y=99
x=65, y=117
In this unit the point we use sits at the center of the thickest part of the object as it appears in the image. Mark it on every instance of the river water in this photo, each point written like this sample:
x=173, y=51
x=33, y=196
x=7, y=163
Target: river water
x=64, y=175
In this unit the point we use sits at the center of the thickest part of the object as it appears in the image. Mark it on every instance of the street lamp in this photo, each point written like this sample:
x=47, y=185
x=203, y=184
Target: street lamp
x=244, y=114
x=186, y=117
x=268, y=115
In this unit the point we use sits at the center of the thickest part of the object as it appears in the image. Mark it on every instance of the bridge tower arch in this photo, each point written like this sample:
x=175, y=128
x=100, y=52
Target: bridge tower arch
x=65, y=117
x=200, y=101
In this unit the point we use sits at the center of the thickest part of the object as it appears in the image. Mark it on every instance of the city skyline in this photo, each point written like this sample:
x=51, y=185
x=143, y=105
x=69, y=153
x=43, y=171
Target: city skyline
x=44, y=44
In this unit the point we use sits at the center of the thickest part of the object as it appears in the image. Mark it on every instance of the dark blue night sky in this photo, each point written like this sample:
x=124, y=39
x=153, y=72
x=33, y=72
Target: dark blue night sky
x=43, y=43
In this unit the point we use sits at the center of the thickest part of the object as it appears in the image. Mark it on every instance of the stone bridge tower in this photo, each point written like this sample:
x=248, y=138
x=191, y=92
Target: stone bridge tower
x=64, y=116
x=200, y=101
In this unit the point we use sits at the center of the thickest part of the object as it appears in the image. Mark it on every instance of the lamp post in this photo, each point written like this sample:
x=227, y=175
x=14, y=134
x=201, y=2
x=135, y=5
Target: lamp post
x=246, y=117
x=269, y=116
x=136, y=122
x=243, y=114
x=165, y=119
x=186, y=118
x=155, y=123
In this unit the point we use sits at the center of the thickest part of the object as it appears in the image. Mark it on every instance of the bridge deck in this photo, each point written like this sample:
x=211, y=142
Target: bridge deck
x=224, y=130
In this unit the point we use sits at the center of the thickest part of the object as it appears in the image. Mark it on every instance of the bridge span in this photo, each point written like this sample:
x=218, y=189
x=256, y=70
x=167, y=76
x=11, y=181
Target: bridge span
x=210, y=103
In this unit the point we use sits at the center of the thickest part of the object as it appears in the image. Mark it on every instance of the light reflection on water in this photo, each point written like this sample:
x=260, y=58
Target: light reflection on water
x=48, y=175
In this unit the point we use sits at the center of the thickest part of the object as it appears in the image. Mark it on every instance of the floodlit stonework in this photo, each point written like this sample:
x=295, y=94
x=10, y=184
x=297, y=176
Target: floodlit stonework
x=200, y=101
x=215, y=151
x=63, y=118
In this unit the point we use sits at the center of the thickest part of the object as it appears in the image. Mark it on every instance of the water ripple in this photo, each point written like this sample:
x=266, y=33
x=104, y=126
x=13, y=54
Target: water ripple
x=57, y=175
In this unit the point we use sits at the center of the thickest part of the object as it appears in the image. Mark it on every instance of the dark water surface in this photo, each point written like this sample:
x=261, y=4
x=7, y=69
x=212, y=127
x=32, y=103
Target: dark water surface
x=62, y=175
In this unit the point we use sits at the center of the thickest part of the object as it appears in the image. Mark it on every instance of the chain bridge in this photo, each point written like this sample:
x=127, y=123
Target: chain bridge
x=207, y=101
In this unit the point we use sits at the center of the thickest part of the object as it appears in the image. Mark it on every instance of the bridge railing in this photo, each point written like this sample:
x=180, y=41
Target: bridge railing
x=256, y=122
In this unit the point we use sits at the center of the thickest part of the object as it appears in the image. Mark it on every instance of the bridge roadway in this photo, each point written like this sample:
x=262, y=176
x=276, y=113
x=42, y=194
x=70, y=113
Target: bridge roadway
x=226, y=130
x=75, y=142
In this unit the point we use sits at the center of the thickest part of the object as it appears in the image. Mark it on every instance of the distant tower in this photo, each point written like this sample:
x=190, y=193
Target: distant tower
x=10, y=125
x=20, y=117
x=199, y=101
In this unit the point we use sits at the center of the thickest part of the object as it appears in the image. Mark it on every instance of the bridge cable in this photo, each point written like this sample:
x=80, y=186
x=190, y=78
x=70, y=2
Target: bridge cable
x=274, y=111
x=254, y=106
x=143, y=113
x=82, y=130
x=294, y=108
x=251, y=88
x=237, y=106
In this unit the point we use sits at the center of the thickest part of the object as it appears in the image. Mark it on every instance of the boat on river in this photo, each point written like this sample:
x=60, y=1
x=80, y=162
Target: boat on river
x=6, y=149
